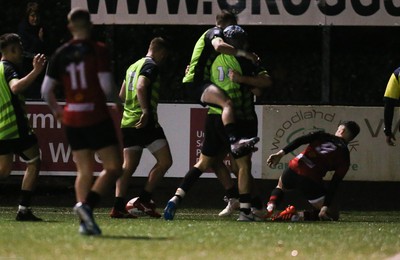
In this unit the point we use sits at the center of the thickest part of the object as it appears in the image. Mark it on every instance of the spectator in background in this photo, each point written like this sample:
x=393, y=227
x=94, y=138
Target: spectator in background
x=31, y=32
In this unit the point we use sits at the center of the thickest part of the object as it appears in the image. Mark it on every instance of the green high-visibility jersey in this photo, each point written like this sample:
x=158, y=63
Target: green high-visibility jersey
x=13, y=119
x=132, y=111
x=202, y=57
x=241, y=96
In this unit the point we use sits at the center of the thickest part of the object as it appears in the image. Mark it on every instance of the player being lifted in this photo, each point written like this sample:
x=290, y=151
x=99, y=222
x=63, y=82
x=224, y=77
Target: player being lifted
x=197, y=79
x=239, y=79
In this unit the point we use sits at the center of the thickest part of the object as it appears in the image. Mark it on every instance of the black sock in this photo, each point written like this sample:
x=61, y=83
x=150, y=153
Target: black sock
x=231, y=131
x=232, y=192
x=276, y=196
x=26, y=197
x=145, y=196
x=190, y=178
x=92, y=199
x=245, y=199
x=119, y=203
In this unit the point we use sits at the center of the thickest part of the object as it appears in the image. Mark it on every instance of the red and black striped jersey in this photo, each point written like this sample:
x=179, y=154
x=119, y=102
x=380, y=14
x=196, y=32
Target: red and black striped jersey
x=325, y=152
x=76, y=65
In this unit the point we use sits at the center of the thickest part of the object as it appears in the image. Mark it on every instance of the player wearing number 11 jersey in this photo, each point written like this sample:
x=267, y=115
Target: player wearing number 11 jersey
x=82, y=68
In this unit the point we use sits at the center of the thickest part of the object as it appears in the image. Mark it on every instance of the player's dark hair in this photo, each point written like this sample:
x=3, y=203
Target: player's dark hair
x=79, y=15
x=160, y=43
x=226, y=17
x=235, y=36
x=353, y=127
x=9, y=39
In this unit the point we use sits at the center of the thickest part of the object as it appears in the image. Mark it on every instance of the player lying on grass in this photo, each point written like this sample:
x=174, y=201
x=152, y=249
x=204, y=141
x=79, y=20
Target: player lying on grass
x=325, y=152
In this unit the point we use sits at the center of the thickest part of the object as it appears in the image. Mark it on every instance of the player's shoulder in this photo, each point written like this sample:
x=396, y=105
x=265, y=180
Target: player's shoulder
x=396, y=73
x=214, y=32
x=10, y=70
x=340, y=144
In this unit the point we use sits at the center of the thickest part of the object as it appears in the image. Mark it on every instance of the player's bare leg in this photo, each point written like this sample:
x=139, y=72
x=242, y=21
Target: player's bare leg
x=161, y=152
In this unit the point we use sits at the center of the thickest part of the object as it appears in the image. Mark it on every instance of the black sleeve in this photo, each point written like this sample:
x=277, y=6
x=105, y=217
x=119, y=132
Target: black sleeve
x=10, y=73
x=305, y=139
x=213, y=33
x=150, y=71
x=390, y=103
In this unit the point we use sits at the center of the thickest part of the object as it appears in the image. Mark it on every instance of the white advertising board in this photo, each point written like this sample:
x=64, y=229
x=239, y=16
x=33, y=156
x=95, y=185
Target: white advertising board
x=250, y=12
x=371, y=158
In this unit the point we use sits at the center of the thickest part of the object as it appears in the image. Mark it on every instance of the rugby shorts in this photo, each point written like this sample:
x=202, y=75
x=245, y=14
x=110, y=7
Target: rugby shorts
x=94, y=137
x=18, y=146
x=142, y=137
x=310, y=188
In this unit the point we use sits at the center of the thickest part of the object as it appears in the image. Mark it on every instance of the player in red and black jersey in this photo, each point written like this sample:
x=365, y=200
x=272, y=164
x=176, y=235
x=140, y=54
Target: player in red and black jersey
x=82, y=68
x=325, y=152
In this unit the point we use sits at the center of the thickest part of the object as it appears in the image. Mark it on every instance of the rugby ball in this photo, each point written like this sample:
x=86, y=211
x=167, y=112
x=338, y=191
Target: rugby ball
x=130, y=207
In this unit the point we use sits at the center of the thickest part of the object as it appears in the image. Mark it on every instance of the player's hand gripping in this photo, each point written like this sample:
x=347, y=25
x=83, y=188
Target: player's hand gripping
x=144, y=119
x=253, y=57
x=274, y=159
x=234, y=76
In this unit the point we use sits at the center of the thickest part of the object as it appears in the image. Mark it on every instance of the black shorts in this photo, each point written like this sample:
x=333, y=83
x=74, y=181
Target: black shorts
x=92, y=137
x=311, y=189
x=141, y=137
x=247, y=128
x=193, y=91
x=18, y=146
x=215, y=137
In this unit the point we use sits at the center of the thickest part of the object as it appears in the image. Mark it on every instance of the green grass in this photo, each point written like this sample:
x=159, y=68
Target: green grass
x=199, y=234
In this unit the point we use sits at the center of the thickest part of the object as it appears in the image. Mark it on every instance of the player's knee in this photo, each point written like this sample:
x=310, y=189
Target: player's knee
x=5, y=171
x=228, y=104
x=165, y=165
x=115, y=170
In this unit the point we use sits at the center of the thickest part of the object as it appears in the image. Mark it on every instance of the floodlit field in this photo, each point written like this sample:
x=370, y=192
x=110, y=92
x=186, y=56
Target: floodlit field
x=199, y=234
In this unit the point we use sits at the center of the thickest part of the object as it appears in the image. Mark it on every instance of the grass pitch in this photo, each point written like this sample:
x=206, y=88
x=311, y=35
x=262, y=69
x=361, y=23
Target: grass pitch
x=199, y=234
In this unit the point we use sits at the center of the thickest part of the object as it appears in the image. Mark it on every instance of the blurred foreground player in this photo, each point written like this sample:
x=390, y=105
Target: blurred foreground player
x=16, y=134
x=325, y=152
x=82, y=68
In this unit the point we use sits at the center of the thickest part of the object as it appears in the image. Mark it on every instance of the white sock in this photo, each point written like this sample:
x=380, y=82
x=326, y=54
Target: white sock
x=22, y=208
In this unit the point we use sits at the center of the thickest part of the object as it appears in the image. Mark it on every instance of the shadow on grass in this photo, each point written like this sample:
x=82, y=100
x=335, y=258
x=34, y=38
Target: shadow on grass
x=122, y=237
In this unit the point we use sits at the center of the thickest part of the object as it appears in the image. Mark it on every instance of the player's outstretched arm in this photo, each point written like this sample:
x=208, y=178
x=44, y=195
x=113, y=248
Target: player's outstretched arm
x=390, y=104
x=275, y=158
x=222, y=47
